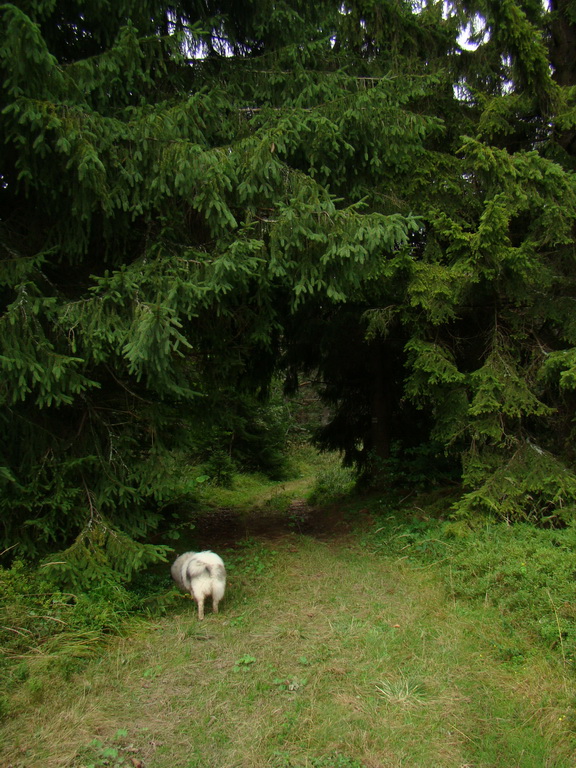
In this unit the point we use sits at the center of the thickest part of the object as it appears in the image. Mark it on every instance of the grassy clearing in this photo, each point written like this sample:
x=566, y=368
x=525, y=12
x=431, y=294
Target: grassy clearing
x=309, y=470
x=326, y=653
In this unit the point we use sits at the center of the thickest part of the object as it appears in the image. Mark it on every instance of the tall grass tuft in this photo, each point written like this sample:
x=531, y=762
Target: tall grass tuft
x=333, y=483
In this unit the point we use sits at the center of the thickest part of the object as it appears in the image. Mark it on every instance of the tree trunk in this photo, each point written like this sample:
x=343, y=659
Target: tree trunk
x=563, y=58
x=380, y=405
x=563, y=43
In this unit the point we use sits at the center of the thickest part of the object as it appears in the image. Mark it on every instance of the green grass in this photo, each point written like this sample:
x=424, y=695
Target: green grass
x=407, y=640
x=332, y=653
x=315, y=475
x=526, y=574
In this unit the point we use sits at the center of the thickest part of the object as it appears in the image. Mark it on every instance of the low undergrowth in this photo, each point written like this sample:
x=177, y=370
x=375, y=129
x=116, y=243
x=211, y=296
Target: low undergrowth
x=318, y=477
x=527, y=574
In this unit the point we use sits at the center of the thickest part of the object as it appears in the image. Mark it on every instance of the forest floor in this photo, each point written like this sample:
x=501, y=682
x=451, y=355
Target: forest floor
x=327, y=653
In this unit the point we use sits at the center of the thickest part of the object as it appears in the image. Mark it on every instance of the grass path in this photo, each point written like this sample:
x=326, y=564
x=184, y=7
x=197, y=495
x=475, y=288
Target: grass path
x=323, y=655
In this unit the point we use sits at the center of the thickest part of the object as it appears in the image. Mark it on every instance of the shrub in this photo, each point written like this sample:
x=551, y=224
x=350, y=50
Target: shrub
x=331, y=484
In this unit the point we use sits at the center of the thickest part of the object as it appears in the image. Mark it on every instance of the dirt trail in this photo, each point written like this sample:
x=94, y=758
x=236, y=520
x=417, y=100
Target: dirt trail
x=225, y=526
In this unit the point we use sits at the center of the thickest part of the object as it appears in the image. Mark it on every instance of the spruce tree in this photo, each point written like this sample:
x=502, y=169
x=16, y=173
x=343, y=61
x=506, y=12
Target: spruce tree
x=175, y=185
x=463, y=347
x=192, y=196
x=504, y=261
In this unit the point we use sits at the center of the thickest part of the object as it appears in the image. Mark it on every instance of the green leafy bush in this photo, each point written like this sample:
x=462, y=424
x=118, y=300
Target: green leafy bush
x=530, y=485
x=220, y=468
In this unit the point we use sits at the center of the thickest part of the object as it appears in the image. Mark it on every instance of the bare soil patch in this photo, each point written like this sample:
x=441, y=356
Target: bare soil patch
x=225, y=526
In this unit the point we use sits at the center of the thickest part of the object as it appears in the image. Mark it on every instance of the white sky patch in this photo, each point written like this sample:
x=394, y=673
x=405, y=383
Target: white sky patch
x=474, y=34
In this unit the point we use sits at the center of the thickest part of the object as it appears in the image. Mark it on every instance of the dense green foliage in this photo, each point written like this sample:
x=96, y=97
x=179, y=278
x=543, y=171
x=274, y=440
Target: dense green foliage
x=462, y=349
x=193, y=199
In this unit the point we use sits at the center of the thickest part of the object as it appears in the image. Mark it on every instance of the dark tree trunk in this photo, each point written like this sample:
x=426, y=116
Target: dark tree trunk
x=563, y=43
x=380, y=403
x=563, y=58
